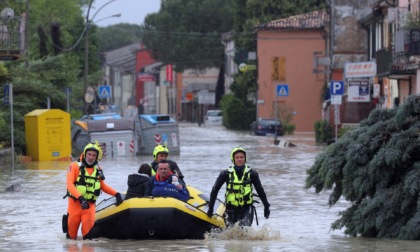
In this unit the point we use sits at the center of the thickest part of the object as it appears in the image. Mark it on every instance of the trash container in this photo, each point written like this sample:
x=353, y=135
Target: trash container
x=47, y=135
x=157, y=129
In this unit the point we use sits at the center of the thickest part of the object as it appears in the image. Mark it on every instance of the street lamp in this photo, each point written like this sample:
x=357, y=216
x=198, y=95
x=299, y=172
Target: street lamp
x=88, y=21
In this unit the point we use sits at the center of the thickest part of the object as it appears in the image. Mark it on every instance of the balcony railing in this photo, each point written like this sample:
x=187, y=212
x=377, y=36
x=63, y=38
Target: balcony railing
x=12, y=40
x=395, y=61
x=383, y=61
x=407, y=42
x=391, y=63
x=413, y=42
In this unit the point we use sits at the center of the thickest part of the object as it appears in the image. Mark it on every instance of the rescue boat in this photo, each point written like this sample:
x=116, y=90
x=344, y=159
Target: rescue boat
x=158, y=218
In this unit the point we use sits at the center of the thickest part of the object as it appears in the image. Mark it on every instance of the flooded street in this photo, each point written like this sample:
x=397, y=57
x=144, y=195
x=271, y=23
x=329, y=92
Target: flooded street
x=300, y=220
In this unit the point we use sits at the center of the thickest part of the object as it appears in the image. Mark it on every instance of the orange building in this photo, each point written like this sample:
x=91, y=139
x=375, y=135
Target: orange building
x=285, y=53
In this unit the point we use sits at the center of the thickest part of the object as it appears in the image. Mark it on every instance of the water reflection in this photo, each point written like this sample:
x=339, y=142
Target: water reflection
x=30, y=219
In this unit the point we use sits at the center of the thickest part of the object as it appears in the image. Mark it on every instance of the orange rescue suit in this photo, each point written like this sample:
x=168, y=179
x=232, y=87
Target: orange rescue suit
x=76, y=214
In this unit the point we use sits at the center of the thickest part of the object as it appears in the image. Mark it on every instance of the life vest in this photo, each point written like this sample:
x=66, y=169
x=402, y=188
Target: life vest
x=239, y=191
x=167, y=189
x=88, y=184
x=152, y=170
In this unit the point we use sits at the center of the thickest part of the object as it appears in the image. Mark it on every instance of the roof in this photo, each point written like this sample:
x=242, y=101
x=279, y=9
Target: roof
x=124, y=58
x=311, y=20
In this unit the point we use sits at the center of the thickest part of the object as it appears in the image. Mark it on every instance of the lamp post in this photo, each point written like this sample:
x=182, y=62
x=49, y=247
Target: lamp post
x=86, y=72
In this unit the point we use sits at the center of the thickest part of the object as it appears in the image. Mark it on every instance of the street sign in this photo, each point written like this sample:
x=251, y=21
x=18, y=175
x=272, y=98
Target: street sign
x=282, y=90
x=244, y=67
x=360, y=69
x=169, y=73
x=337, y=87
x=206, y=98
x=89, y=94
x=6, y=95
x=359, y=90
x=336, y=99
x=104, y=92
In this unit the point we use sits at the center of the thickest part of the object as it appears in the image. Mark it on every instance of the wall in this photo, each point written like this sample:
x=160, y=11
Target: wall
x=304, y=86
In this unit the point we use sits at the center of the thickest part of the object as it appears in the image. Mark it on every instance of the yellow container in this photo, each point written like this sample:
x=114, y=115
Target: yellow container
x=47, y=135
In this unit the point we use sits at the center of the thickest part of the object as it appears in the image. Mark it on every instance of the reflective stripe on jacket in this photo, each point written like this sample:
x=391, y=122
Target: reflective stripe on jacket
x=152, y=170
x=88, y=184
x=239, y=191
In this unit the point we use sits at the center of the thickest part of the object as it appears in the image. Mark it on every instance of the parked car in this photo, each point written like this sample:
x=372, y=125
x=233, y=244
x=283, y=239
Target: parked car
x=213, y=117
x=265, y=126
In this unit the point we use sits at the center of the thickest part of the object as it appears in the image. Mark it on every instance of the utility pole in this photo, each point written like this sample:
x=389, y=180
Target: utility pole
x=86, y=73
x=88, y=23
x=26, y=35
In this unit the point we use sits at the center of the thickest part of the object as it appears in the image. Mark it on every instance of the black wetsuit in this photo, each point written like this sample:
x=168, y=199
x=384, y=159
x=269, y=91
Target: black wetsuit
x=243, y=214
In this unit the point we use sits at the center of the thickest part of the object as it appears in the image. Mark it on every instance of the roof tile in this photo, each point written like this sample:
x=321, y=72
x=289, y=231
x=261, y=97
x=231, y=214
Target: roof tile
x=311, y=20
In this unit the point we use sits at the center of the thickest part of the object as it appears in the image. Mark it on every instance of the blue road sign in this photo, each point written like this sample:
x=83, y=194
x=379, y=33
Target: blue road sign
x=282, y=90
x=104, y=92
x=337, y=87
x=6, y=95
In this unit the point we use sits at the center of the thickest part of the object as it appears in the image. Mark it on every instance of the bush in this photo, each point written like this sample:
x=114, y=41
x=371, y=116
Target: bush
x=236, y=114
x=289, y=129
x=323, y=131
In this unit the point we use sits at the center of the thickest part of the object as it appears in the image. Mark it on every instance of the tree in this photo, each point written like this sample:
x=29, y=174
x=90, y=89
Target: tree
x=375, y=167
x=48, y=79
x=187, y=33
x=249, y=13
x=238, y=109
x=118, y=35
x=51, y=69
x=236, y=112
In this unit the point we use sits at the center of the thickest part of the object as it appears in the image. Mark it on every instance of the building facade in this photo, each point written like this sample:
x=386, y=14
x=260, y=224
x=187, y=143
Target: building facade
x=285, y=51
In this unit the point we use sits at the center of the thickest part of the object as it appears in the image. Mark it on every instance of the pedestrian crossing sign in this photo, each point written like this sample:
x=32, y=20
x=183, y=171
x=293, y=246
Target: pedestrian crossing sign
x=104, y=92
x=282, y=90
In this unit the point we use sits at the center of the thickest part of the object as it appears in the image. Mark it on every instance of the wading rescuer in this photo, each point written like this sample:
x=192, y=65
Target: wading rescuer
x=85, y=181
x=161, y=152
x=239, y=179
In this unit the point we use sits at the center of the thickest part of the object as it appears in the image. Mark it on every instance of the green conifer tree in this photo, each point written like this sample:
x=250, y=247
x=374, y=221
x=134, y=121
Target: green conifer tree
x=375, y=167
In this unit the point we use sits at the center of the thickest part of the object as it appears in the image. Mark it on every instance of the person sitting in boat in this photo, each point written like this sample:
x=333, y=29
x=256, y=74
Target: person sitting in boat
x=85, y=181
x=161, y=152
x=138, y=182
x=166, y=184
x=239, y=179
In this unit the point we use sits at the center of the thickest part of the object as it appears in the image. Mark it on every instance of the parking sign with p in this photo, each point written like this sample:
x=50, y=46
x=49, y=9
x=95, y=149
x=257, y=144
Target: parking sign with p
x=337, y=87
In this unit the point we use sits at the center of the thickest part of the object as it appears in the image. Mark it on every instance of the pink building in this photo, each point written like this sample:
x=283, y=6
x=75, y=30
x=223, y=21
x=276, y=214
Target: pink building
x=285, y=52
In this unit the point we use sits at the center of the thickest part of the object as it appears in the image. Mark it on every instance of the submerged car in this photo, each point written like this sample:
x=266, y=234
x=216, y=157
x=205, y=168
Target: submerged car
x=264, y=126
x=213, y=117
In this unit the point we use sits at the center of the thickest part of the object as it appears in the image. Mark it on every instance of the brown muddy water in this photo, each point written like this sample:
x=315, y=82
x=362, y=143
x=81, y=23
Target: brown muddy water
x=300, y=220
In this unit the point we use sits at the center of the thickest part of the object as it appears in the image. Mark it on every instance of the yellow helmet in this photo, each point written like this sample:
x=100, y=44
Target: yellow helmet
x=93, y=146
x=160, y=149
x=234, y=151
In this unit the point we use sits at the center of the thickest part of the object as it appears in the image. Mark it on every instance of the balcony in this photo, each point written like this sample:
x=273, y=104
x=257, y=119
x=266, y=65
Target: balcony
x=384, y=62
x=11, y=37
x=413, y=42
x=394, y=63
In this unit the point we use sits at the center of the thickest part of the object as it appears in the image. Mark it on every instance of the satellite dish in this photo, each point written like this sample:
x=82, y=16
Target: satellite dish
x=7, y=13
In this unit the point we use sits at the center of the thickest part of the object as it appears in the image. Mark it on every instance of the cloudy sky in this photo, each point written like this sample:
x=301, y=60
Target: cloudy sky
x=132, y=11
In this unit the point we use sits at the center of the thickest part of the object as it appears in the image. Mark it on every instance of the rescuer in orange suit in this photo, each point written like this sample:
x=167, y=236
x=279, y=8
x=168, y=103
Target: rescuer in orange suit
x=85, y=181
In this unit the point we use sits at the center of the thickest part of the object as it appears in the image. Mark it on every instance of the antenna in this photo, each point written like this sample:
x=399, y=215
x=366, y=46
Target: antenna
x=7, y=13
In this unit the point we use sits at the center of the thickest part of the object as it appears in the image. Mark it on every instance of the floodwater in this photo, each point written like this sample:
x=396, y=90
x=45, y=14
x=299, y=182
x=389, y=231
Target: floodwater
x=300, y=220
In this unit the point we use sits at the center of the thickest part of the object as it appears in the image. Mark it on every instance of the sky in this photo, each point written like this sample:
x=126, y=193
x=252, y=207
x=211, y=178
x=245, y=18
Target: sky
x=132, y=11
